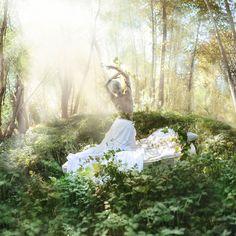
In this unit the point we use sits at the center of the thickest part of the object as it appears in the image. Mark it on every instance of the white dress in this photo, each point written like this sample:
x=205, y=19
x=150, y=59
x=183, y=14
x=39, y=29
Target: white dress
x=162, y=144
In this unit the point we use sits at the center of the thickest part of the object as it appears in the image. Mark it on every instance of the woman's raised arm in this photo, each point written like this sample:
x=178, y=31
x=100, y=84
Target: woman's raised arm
x=127, y=79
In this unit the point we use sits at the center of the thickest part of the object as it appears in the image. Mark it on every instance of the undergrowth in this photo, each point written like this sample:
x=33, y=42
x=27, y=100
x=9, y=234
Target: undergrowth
x=195, y=196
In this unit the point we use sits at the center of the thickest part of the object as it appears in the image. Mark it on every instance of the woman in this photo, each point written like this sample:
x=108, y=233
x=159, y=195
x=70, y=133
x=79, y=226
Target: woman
x=121, y=93
x=121, y=135
x=162, y=144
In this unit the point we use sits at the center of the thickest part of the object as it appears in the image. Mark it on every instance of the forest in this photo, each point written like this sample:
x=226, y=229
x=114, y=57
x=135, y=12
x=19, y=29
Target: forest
x=55, y=65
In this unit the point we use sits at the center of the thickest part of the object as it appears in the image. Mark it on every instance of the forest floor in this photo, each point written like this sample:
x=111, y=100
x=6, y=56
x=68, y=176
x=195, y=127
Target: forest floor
x=195, y=196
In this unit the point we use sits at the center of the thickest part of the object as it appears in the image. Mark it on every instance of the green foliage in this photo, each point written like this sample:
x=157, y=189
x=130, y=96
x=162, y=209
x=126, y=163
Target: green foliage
x=193, y=196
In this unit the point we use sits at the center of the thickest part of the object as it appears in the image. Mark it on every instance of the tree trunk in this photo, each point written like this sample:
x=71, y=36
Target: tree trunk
x=22, y=118
x=190, y=80
x=144, y=62
x=2, y=66
x=72, y=101
x=154, y=42
x=224, y=58
x=163, y=55
x=170, y=60
x=78, y=96
x=231, y=22
x=134, y=60
x=18, y=113
x=93, y=44
x=173, y=66
x=65, y=96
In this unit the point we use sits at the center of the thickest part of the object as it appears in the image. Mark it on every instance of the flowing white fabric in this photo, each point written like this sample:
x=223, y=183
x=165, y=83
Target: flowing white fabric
x=121, y=138
x=161, y=144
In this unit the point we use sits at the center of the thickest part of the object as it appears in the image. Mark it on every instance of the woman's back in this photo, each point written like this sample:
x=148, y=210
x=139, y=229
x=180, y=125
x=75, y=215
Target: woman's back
x=121, y=96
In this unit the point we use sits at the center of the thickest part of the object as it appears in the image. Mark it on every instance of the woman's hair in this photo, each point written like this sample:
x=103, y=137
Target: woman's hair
x=114, y=87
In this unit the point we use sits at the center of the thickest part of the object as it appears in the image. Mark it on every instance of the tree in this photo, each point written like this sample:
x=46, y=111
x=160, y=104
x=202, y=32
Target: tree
x=21, y=117
x=11, y=83
x=231, y=22
x=190, y=79
x=19, y=112
x=225, y=61
x=154, y=45
x=66, y=87
x=93, y=46
x=163, y=53
x=3, y=80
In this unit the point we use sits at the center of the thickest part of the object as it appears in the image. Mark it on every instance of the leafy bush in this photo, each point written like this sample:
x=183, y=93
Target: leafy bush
x=192, y=196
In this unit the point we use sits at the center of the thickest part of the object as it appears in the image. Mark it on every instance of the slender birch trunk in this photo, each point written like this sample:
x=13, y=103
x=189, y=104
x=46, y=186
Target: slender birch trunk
x=231, y=22
x=154, y=42
x=2, y=64
x=191, y=72
x=163, y=55
x=224, y=57
x=93, y=44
